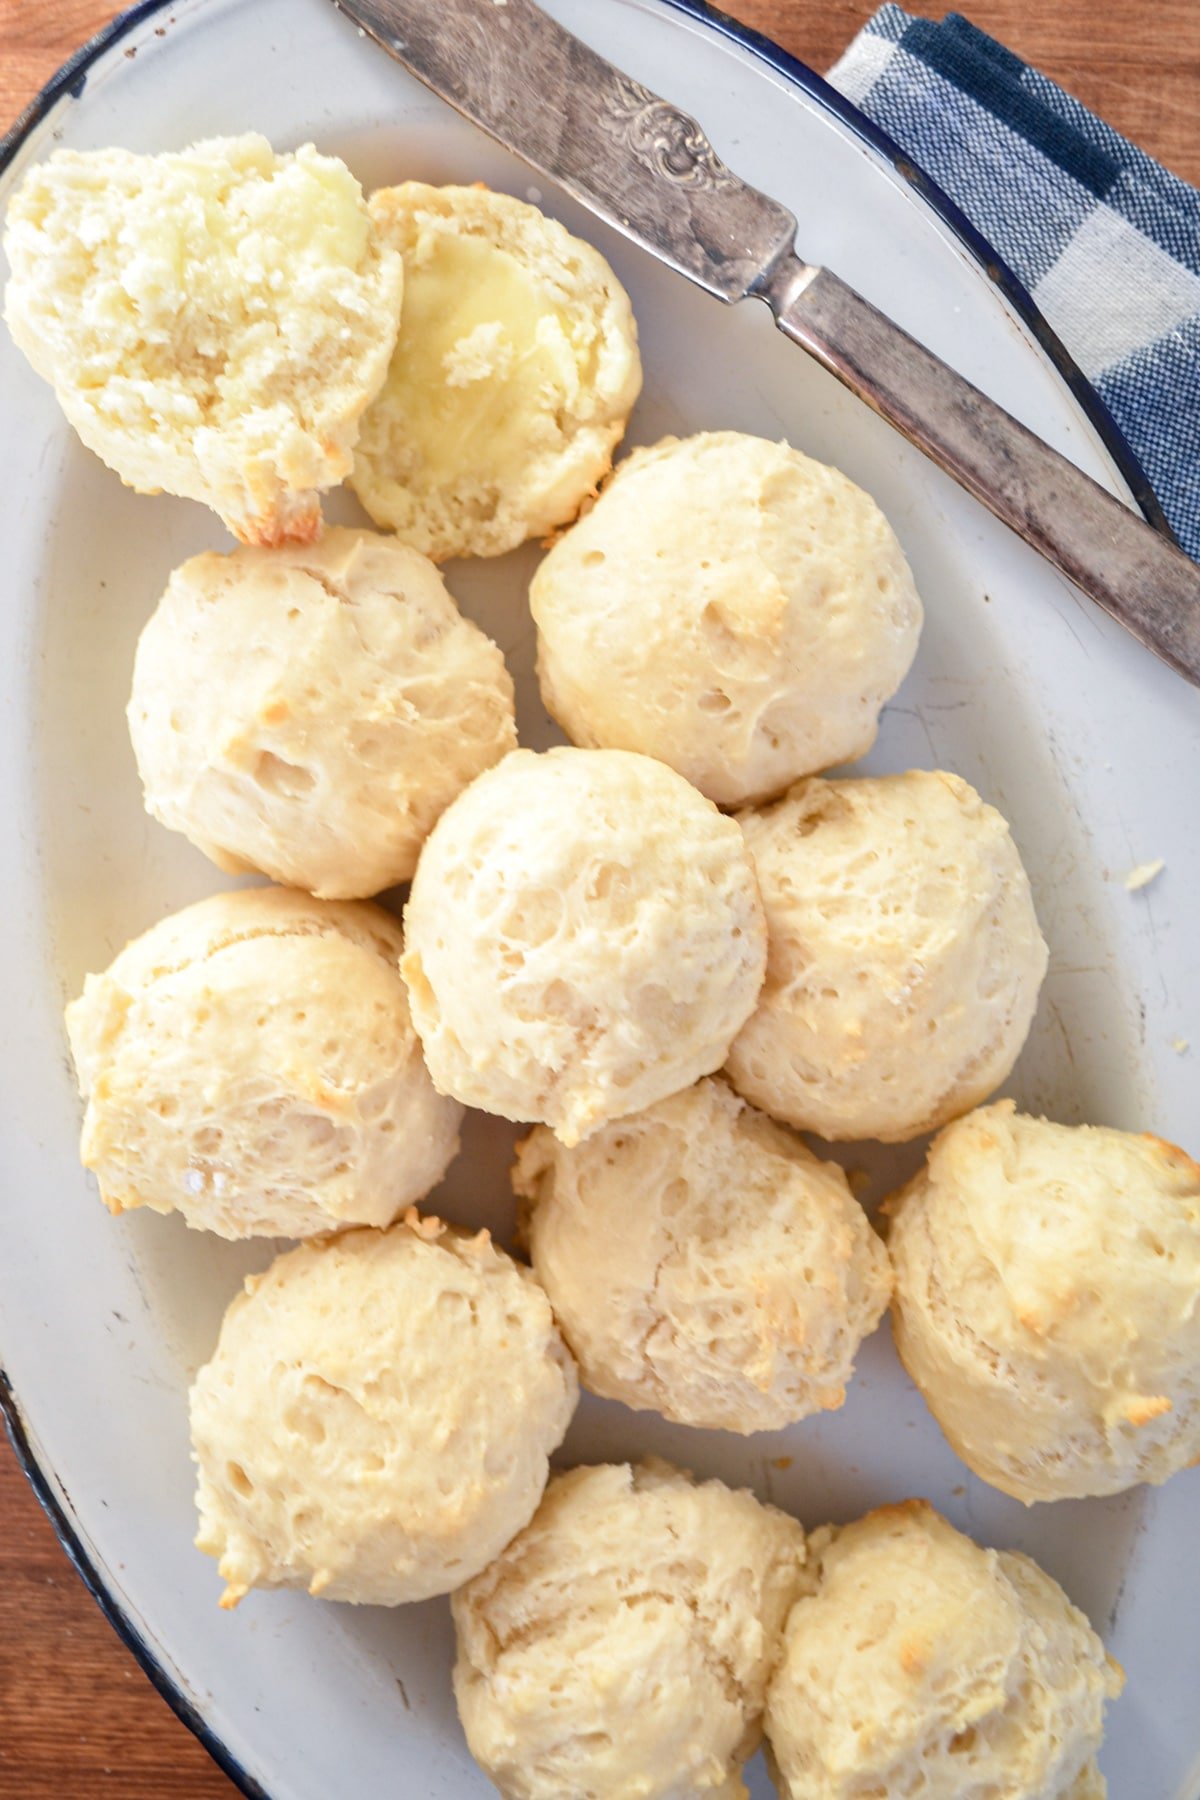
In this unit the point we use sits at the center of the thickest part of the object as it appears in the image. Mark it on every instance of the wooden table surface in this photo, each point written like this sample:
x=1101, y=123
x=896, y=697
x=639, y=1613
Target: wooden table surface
x=77, y=1718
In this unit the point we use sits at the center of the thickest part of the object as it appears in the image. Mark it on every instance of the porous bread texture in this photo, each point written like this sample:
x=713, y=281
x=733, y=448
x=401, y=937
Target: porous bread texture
x=513, y=377
x=702, y=1263
x=731, y=607
x=904, y=957
x=584, y=936
x=377, y=1418
x=309, y=711
x=250, y=1062
x=1048, y=1302
x=213, y=321
x=918, y=1664
x=620, y=1647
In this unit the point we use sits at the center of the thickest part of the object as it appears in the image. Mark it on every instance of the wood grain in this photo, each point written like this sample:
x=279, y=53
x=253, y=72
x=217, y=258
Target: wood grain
x=1136, y=62
x=78, y=1720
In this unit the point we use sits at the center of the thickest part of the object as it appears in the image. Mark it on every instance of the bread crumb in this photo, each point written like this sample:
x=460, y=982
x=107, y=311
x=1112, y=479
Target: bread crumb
x=430, y=1227
x=1180, y=1046
x=1143, y=875
x=483, y=354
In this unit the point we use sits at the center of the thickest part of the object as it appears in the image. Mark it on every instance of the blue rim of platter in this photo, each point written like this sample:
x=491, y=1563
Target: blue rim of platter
x=69, y=84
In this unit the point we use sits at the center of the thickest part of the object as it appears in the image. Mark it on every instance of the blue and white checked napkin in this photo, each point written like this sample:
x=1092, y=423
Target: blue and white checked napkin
x=1106, y=241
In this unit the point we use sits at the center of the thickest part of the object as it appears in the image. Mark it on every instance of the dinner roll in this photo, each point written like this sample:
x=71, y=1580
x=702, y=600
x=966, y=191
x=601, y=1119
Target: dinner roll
x=620, y=1648
x=584, y=936
x=214, y=321
x=250, y=1062
x=1047, y=1283
x=729, y=606
x=376, y=1420
x=905, y=957
x=703, y=1263
x=309, y=711
x=917, y=1664
x=514, y=374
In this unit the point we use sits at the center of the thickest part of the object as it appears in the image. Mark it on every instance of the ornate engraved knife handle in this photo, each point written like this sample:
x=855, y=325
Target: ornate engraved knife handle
x=668, y=141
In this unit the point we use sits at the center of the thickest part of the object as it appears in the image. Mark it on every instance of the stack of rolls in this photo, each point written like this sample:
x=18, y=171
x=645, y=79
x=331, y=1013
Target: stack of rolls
x=668, y=947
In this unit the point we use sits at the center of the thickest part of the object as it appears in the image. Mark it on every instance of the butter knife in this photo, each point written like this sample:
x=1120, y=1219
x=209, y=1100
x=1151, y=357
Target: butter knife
x=647, y=168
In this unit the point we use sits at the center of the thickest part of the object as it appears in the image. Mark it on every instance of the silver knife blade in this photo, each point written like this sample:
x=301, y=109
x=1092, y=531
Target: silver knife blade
x=647, y=168
x=639, y=162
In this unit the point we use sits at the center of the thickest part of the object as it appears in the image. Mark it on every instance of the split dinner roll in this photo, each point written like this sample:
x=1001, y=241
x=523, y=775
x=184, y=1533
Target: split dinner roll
x=917, y=1664
x=308, y=712
x=376, y=1420
x=620, y=1647
x=729, y=606
x=584, y=936
x=214, y=321
x=250, y=1062
x=703, y=1263
x=513, y=376
x=905, y=956
x=1048, y=1302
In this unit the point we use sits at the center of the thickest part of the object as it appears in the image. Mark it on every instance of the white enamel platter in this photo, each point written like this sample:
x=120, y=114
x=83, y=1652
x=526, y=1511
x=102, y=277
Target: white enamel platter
x=1089, y=746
